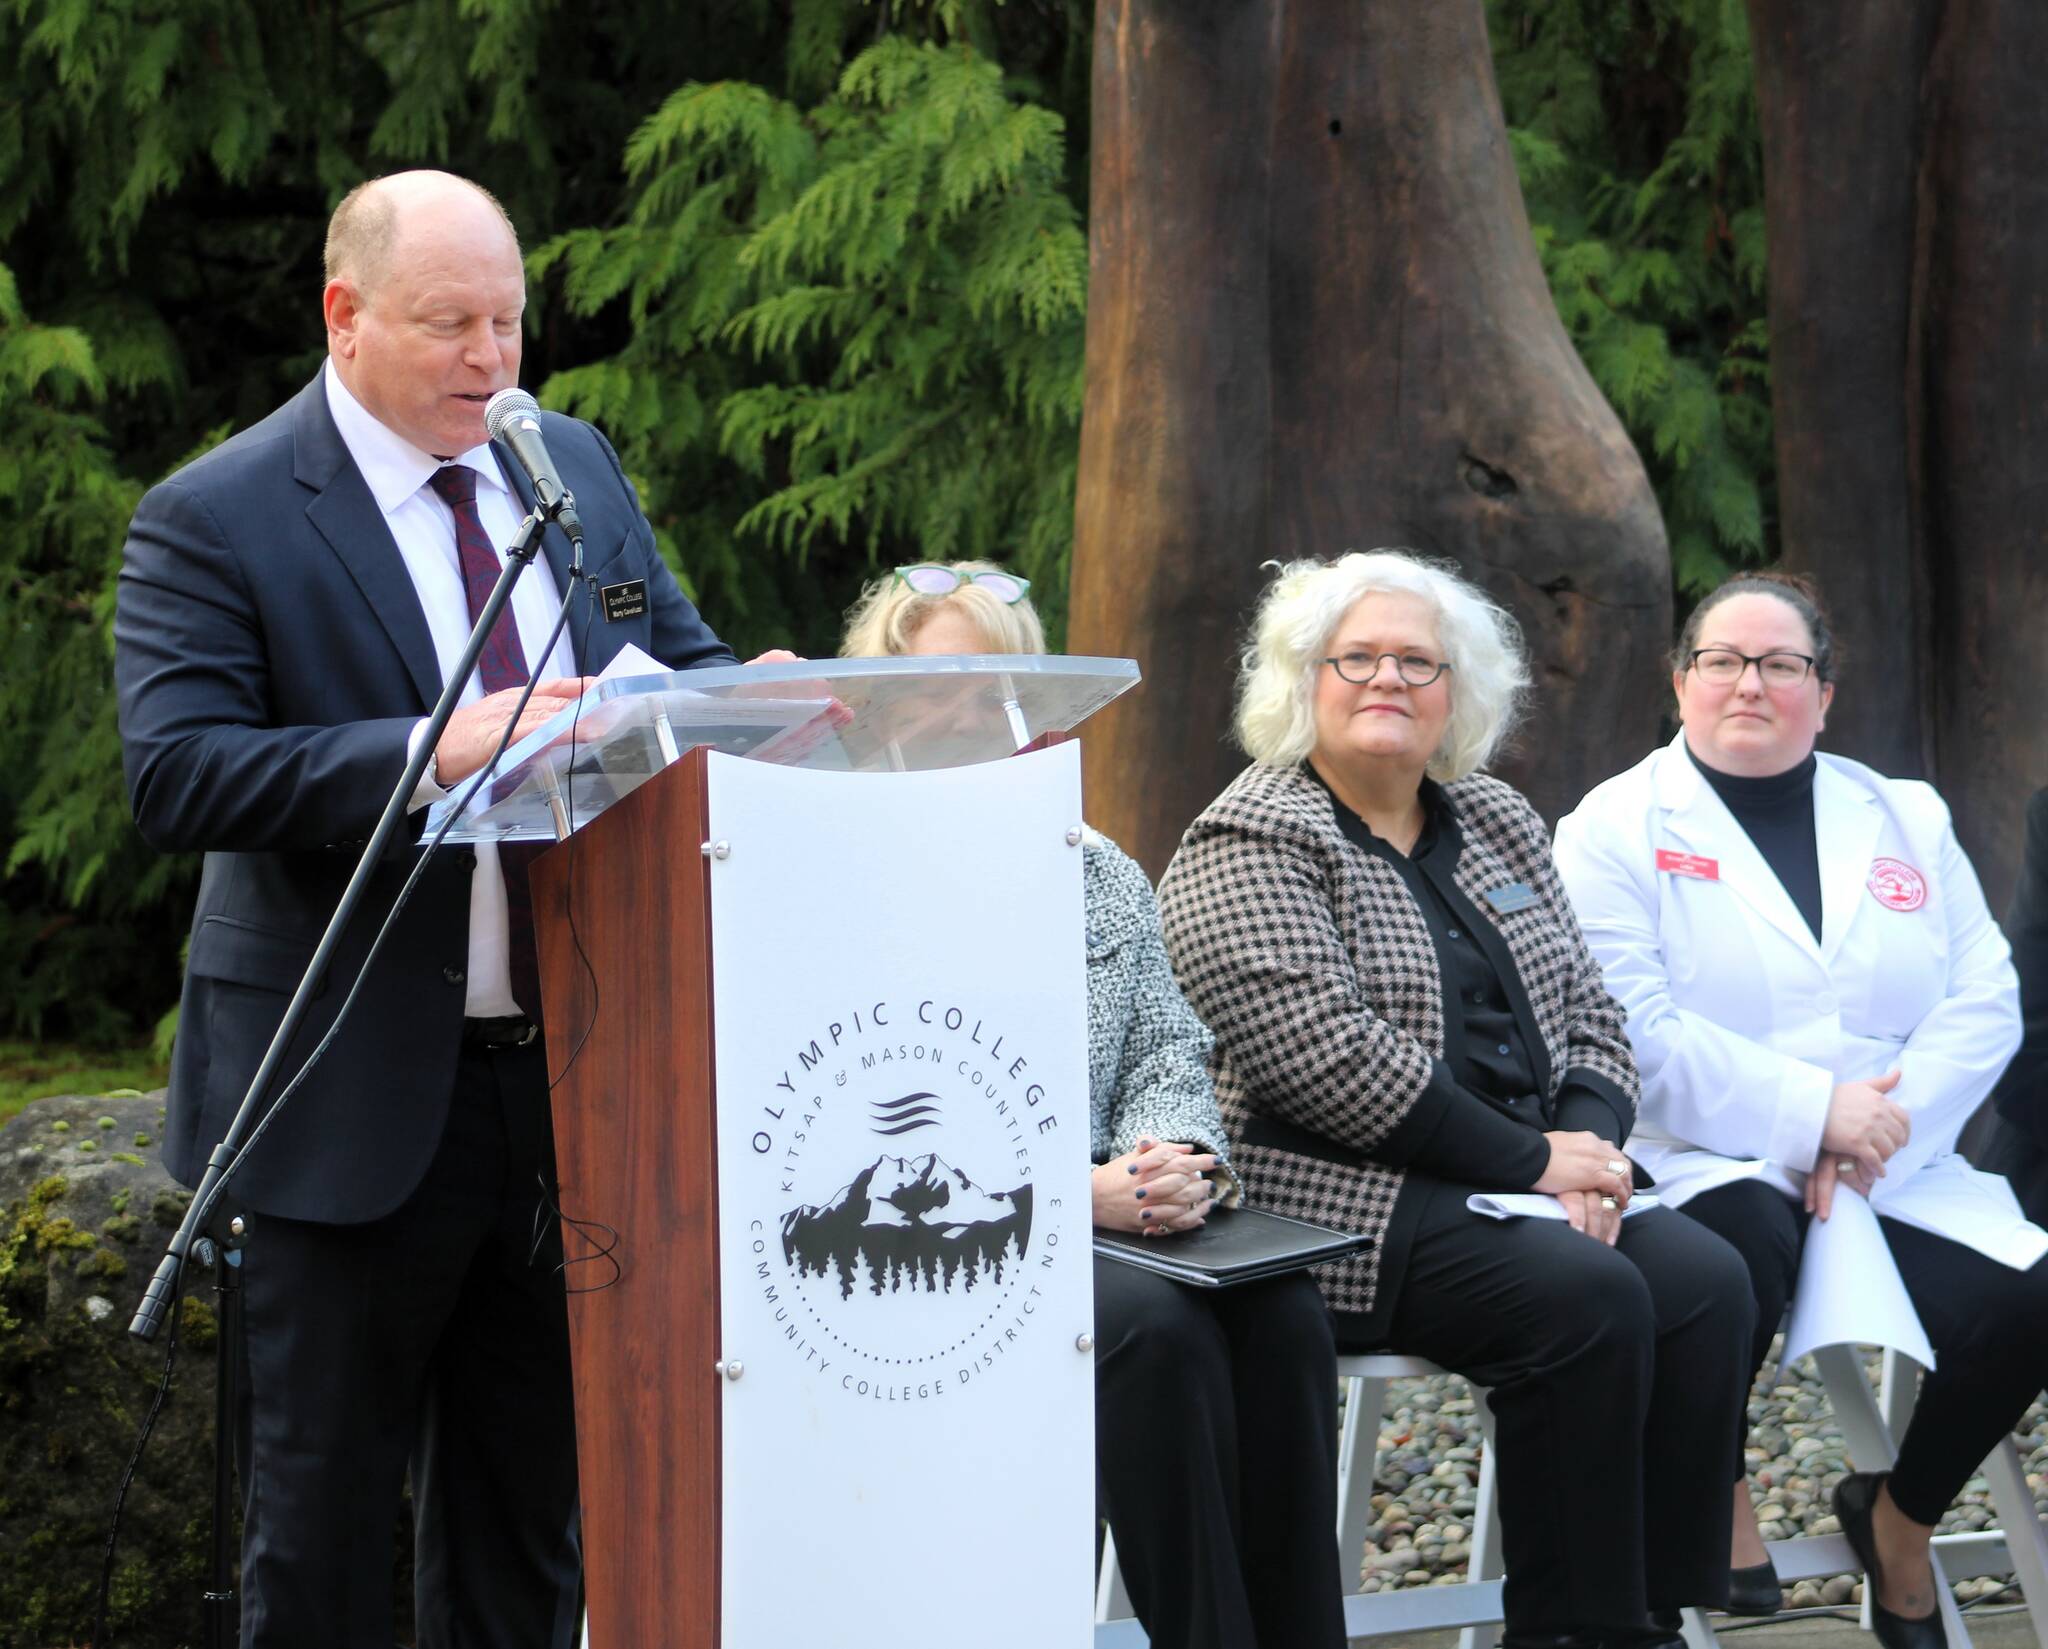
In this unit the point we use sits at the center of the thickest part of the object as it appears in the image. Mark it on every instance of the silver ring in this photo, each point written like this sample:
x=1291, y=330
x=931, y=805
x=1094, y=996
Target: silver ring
x=1607, y=1202
x=1845, y=1165
x=1617, y=1167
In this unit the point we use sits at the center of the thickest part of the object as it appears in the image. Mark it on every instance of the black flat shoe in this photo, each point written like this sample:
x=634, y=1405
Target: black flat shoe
x=1755, y=1590
x=1855, y=1500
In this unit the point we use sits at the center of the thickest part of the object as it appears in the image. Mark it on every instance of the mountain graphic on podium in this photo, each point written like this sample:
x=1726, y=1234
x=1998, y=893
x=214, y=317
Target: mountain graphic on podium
x=912, y=1219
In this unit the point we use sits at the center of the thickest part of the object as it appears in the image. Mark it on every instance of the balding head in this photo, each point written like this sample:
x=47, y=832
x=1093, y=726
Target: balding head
x=366, y=227
x=425, y=291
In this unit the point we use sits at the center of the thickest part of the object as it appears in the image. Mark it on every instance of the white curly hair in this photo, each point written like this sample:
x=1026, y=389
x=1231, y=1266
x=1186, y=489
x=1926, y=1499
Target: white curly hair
x=1299, y=615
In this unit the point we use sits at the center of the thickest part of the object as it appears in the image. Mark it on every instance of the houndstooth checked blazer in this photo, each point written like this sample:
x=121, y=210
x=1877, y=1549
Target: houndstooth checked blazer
x=1311, y=963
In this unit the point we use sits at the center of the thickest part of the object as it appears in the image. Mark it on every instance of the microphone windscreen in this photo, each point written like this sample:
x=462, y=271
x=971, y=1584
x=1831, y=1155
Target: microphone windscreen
x=504, y=406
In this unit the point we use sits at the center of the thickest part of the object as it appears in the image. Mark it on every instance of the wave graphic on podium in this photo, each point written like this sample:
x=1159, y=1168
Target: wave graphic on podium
x=914, y=1219
x=905, y=1115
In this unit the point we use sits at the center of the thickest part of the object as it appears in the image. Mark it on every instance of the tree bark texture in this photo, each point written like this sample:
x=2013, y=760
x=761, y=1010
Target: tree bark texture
x=1907, y=213
x=1317, y=323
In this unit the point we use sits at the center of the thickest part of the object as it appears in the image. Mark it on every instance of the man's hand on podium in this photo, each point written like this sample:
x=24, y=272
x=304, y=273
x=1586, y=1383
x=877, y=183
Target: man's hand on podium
x=472, y=734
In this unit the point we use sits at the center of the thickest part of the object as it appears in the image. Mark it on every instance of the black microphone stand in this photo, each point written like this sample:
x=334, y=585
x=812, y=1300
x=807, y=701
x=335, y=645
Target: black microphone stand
x=221, y=1607
x=196, y=1236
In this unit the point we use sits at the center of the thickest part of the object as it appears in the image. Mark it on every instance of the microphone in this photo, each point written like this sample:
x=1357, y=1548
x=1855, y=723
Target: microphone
x=513, y=416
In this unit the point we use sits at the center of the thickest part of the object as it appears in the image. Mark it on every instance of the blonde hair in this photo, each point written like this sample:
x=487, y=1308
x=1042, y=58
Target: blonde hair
x=1298, y=616
x=888, y=615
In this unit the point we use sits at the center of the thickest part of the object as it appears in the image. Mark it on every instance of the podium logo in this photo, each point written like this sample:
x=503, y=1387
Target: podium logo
x=918, y=1221
x=898, y=1249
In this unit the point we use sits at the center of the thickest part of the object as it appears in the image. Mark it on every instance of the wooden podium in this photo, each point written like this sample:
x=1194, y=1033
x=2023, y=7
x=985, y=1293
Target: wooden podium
x=625, y=943
x=878, y=915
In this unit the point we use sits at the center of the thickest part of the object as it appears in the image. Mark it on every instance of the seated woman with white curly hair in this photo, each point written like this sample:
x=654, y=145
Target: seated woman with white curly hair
x=1215, y=1409
x=1405, y=1015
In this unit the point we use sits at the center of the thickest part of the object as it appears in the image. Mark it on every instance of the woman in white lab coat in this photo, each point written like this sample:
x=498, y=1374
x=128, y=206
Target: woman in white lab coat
x=1818, y=999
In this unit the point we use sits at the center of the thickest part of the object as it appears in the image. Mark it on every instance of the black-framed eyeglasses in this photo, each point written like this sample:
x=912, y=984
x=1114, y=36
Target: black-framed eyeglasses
x=1723, y=666
x=1416, y=669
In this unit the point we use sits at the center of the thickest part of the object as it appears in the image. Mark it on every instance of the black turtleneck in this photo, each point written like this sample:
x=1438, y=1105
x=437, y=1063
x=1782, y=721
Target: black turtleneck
x=1777, y=812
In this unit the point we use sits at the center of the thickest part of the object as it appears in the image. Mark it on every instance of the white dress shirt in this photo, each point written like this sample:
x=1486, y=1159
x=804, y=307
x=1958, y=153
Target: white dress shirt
x=423, y=525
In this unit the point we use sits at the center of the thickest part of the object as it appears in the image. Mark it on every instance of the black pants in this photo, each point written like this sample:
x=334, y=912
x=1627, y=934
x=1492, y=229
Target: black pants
x=439, y=1336
x=1616, y=1379
x=2002, y=1147
x=1988, y=1325
x=1216, y=1458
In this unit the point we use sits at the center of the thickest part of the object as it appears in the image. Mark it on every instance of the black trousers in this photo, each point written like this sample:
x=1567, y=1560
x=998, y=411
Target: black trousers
x=1988, y=1325
x=1616, y=1377
x=1216, y=1458
x=2004, y=1148
x=437, y=1337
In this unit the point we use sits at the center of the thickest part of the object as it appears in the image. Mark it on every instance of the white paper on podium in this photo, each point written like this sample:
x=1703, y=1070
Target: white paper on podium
x=1539, y=1205
x=630, y=661
x=903, y=1181
x=1850, y=1291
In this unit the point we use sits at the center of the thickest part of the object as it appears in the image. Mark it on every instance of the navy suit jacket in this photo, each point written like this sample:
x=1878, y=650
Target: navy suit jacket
x=271, y=658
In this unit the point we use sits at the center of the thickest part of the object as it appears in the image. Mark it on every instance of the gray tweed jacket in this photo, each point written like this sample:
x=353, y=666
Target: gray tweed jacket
x=1148, y=1074
x=1313, y=966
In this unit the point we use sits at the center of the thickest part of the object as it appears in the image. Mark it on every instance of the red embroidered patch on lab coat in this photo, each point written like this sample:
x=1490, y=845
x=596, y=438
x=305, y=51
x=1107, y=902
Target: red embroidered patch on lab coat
x=1688, y=864
x=1896, y=885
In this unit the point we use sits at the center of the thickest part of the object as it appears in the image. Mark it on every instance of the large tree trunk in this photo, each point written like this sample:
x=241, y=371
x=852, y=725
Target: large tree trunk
x=1837, y=91
x=1907, y=210
x=1984, y=339
x=1317, y=323
x=1172, y=494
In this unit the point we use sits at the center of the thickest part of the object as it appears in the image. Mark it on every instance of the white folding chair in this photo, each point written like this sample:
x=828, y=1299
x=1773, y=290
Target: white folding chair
x=1469, y=1605
x=1870, y=1423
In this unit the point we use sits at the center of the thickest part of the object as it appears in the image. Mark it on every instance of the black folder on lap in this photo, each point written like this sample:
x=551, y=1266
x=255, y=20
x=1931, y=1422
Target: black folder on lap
x=1238, y=1245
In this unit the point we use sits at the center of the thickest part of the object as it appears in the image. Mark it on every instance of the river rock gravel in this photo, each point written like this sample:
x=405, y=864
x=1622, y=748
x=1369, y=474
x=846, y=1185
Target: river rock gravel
x=1425, y=1487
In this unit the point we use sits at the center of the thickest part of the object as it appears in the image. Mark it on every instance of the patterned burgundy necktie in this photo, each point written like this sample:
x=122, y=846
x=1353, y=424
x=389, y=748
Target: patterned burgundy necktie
x=502, y=664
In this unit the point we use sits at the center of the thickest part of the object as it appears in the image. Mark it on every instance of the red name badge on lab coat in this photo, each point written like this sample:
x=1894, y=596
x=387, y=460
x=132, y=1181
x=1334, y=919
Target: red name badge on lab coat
x=1688, y=864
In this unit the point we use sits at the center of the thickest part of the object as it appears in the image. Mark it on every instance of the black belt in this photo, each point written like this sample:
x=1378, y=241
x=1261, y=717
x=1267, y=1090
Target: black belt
x=512, y=1031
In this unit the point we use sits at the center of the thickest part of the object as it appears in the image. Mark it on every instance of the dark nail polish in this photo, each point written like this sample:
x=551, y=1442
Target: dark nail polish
x=1146, y=1215
x=1130, y=1167
x=1139, y=1192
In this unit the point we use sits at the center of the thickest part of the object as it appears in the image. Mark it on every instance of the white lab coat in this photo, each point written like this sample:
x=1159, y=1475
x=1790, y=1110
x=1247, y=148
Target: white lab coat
x=1742, y=1023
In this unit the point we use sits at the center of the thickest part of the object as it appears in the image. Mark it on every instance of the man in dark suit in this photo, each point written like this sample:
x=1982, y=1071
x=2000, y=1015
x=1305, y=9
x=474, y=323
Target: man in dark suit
x=288, y=606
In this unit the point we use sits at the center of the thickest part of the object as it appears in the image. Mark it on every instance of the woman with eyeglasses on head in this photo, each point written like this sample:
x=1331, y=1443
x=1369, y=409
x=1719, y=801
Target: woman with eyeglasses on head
x=1818, y=999
x=1216, y=1409
x=1407, y=1019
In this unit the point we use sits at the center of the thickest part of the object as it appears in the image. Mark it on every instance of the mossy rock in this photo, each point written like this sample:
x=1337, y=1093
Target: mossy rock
x=74, y=1387
x=80, y=1234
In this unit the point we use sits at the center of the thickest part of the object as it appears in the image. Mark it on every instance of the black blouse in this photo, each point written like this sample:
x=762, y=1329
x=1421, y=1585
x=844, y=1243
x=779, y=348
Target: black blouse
x=1777, y=814
x=1488, y=1025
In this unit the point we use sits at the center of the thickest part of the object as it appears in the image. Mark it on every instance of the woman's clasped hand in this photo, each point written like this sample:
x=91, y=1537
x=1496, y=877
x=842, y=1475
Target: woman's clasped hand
x=1158, y=1188
x=1864, y=1130
x=1591, y=1179
x=1865, y=1125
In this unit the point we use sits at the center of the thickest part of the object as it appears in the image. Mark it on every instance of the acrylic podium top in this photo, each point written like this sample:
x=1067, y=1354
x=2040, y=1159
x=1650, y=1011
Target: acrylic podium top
x=845, y=715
